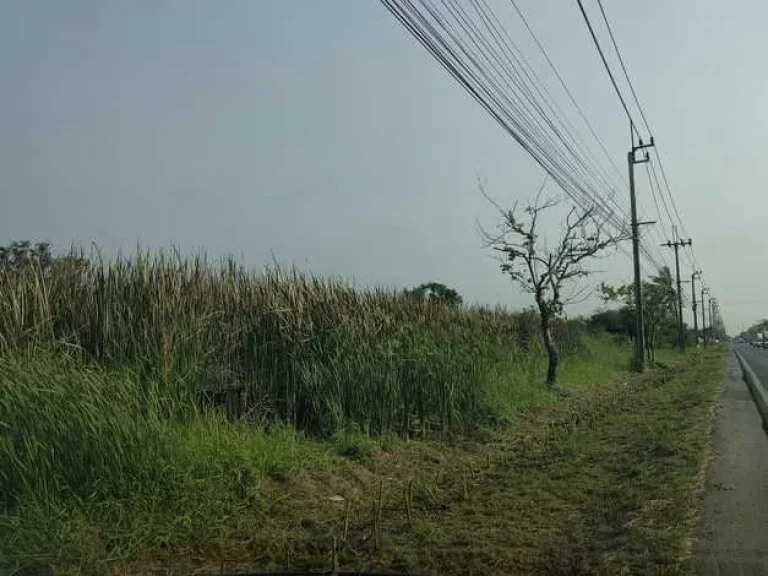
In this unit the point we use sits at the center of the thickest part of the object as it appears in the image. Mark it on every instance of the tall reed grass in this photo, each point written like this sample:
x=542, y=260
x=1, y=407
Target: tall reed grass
x=299, y=349
x=108, y=370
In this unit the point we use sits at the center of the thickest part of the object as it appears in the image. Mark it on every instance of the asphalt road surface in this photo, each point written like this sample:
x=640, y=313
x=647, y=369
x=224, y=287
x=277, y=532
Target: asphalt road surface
x=733, y=536
x=757, y=359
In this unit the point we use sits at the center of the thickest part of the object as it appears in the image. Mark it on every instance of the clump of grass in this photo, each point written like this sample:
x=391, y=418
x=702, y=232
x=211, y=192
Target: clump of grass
x=357, y=447
x=601, y=481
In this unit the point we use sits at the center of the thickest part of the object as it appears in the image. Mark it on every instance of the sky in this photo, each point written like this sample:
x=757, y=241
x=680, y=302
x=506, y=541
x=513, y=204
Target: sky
x=320, y=134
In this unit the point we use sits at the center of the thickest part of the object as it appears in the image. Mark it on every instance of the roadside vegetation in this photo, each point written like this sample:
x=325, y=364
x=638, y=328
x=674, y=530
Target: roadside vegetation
x=750, y=334
x=171, y=412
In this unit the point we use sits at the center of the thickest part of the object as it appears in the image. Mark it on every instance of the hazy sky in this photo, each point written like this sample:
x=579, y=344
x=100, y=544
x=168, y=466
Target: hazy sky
x=320, y=131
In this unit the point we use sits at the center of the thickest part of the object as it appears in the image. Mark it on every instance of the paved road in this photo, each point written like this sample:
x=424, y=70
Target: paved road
x=757, y=359
x=733, y=537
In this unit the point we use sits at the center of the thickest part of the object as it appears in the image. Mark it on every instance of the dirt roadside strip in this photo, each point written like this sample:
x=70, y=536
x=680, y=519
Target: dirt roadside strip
x=733, y=535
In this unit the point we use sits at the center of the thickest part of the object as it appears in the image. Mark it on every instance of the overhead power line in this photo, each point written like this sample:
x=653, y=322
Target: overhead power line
x=510, y=49
x=661, y=231
x=624, y=68
x=592, y=131
x=694, y=261
x=573, y=101
x=477, y=80
x=512, y=52
x=473, y=46
x=607, y=68
x=690, y=254
x=652, y=172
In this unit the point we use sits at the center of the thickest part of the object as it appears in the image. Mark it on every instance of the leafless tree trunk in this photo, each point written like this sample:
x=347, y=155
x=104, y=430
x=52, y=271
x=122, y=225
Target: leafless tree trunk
x=553, y=357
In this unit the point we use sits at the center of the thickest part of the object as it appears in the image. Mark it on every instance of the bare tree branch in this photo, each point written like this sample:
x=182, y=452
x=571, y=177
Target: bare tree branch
x=548, y=273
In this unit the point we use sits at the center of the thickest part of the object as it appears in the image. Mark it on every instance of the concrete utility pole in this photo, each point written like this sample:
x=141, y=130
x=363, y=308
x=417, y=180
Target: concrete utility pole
x=693, y=303
x=720, y=324
x=704, y=315
x=712, y=308
x=685, y=333
x=640, y=331
x=676, y=245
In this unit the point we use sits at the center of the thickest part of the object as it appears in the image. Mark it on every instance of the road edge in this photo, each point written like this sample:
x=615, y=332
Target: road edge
x=755, y=387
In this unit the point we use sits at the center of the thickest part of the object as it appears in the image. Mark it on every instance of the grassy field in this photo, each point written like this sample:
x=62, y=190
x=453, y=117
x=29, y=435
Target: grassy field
x=604, y=481
x=161, y=412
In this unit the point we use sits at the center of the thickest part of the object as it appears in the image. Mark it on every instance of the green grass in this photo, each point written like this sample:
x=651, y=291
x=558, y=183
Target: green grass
x=603, y=481
x=518, y=386
x=94, y=470
x=111, y=457
x=563, y=473
x=91, y=470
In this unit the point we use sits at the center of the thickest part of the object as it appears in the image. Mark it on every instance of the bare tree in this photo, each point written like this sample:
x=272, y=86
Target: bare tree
x=550, y=274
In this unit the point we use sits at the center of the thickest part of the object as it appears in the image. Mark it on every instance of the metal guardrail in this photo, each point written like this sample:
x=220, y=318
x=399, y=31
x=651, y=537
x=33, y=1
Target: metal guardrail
x=759, y=393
